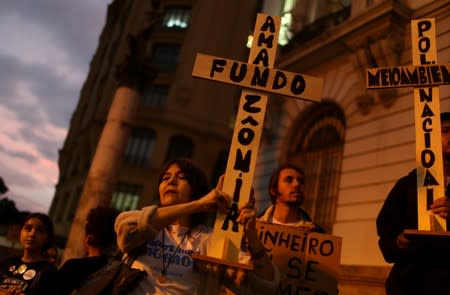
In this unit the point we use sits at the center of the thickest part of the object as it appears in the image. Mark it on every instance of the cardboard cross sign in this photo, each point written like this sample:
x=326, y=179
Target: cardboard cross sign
x=256, y=74
x=423, y=75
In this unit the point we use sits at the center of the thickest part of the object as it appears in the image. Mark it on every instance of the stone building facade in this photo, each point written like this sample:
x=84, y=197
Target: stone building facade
x=177, y=115
x=356, y=143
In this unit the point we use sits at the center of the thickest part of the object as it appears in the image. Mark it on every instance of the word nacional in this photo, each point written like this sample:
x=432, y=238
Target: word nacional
x=408, y=76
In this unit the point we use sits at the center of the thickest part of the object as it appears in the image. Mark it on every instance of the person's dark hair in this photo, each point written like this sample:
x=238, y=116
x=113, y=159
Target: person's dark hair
x=48, y=225
x=197, y=180
x=100, y=225
x=445, y=116
x=273, y=182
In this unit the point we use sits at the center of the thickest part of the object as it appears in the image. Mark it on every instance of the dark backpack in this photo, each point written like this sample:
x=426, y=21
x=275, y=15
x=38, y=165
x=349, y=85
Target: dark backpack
x=116, y=278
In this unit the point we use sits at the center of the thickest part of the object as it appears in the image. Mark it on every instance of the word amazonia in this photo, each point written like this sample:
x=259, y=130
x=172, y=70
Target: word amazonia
x=227, y=234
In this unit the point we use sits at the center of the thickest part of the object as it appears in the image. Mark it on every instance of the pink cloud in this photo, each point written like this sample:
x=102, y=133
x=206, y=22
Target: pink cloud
x=27, y=172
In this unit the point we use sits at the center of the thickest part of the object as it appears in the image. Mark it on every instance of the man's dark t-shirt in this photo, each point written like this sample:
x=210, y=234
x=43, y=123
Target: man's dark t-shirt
x=75, y=271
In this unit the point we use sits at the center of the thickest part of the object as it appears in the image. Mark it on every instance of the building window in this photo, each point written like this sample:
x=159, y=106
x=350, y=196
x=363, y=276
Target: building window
x=177, y=17
x=318, y=149
x=179, y=147
x=74, y=165
x=286, y=22
x=112, y=52
x=165, y=56
x=60, y=206
x=154, y=96
x=139, y=148
x=304, y=20
x=73, y=203
x=126, y=196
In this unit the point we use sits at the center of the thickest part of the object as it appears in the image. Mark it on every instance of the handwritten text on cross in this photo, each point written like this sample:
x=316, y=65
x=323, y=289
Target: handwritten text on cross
x=259, y=75
x=424, y=75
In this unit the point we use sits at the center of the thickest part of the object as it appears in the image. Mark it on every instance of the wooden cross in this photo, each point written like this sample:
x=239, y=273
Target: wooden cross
x=424, y=74
x=257, y=74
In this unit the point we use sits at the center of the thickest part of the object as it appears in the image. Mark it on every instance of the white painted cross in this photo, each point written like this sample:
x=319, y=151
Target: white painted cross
x=424, y=74
x=257, y=74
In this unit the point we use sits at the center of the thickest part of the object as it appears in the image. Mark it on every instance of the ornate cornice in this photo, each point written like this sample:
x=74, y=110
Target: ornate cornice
x=378, y=22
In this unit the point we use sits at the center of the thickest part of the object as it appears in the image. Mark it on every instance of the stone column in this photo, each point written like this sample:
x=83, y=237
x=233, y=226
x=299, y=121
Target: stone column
x=131, y=74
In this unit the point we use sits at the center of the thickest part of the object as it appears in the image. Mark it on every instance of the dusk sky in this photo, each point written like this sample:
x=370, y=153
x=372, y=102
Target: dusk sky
x=45, y=50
